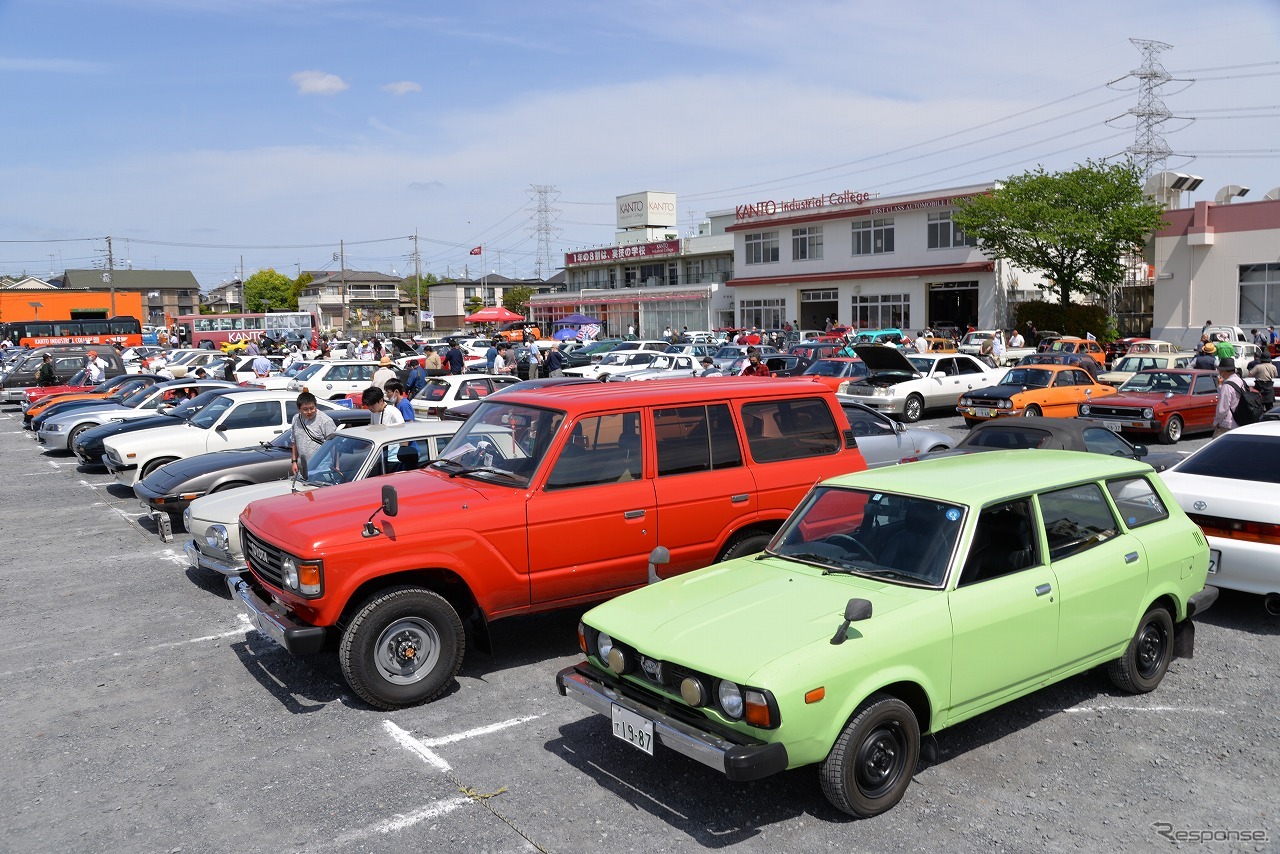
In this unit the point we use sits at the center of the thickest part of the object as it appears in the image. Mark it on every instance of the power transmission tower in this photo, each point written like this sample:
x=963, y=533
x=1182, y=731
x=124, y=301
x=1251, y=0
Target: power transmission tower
x=1149, y=150
x=545, y=229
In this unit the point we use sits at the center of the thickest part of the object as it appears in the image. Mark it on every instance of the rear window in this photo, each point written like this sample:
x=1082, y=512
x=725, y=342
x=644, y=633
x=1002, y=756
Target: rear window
x=1011, y=437
x=790, y=429
x=1237, y=457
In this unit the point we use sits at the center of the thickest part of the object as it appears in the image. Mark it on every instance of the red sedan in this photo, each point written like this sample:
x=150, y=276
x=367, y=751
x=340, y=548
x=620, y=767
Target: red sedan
x=1168, y=403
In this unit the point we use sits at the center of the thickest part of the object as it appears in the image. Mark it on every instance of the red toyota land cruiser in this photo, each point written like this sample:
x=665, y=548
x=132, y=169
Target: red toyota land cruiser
x=546, y=498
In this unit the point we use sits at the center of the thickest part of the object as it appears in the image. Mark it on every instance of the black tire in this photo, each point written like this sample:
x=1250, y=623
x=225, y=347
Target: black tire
x=1032, y=411
x=153, y=465
x=870, y=765
x=1147, y=657
x=1172, y=431
x=388, y=636
x=75, y=434
x=912, y=408
x=745, y=544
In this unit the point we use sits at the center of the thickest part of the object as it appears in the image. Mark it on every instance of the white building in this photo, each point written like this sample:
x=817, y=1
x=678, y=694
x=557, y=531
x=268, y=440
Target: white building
x=1217, y=262
x=858, y=259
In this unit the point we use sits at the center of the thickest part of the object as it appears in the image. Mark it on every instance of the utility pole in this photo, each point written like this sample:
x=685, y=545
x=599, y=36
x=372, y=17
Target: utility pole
x=417, y=275
x=111, y=275
x=342, y=274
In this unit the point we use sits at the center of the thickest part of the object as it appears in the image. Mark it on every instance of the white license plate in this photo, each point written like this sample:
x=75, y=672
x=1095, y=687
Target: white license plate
x=982, y=412
x=1113, y=426
x=633, y=729
x=1215, y=560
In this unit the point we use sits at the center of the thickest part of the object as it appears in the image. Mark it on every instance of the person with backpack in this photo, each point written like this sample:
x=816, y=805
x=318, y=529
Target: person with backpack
x=45, y=375
x=1237, y=403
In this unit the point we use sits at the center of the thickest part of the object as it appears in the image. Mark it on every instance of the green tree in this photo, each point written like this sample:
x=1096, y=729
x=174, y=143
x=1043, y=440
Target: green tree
x=295, y=289
x=267, y=290
x=1075, y=226
x=410, y=285
x=474, y=304
x=517, y=299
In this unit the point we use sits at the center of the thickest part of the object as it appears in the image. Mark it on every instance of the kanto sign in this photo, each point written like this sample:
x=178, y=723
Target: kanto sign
x=771, y=207
x=639, y=251
x=647, y=210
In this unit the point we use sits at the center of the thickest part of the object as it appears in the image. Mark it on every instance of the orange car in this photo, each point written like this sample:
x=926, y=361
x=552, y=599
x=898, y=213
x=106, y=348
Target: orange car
x=1055, y=391
x=834, y=370
x=113, y=386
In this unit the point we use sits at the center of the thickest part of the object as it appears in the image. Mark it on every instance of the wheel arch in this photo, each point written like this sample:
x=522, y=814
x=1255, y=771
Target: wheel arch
x=758, y=527
x=445, y=582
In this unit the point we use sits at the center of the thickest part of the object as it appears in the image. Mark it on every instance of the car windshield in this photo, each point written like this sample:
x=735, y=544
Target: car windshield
x=729, y=352
x=501, y=441
x=1237, y=456
x=1029, y=377
x=898, y=538
x=338, y=460
x=310, y=371
x=1161, y=381
x=208, y=416
x=663, y=363
x=136, y=397
x=921, y=364
x=616, y=358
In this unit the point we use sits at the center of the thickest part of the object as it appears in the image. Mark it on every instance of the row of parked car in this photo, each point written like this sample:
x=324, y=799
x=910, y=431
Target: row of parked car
x=755, y=622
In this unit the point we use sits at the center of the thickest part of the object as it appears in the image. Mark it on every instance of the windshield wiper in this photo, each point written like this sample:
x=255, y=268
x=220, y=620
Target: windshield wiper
x=884, y=573
x=485, y=470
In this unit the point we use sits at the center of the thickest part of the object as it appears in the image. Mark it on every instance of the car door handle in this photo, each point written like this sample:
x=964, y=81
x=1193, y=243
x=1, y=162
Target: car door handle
x=1131, y=557
x=633, y=514
x=1044, y=589
x=277, y=432
x=739, y=498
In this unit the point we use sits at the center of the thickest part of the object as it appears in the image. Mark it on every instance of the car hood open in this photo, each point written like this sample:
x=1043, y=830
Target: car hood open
x=879, y=358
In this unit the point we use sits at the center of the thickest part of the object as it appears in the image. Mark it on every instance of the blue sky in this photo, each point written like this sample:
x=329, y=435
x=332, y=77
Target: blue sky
x=198, y=133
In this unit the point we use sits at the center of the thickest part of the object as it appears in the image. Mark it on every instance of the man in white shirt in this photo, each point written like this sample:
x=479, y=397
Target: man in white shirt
x=1017, y=340
x=375, y=401
x=386, y=371
x=997, y=346
x=500, y=364
x=96, y=367
x=922, y=343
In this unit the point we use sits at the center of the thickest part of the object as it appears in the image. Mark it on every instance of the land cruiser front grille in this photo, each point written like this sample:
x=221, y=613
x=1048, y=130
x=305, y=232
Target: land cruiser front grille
x=263, y=558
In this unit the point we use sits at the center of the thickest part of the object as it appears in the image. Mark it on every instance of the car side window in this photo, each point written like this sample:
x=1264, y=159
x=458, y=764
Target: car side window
x=363, y=372
x=968, y=366
x=696, y=438
x=1003, y=542
x=263, y=413
x=1100, y=440
x=1076, y=519
x=1206, y=385
x=601, y=449
x=790, y=429
x=1137, y=501
x=944, y=367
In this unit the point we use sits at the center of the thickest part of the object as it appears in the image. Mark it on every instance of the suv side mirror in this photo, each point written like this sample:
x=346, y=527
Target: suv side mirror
x=390, y=500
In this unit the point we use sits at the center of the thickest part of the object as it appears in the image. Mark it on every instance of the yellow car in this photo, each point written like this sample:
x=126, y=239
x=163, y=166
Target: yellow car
x=234, y=346
x=1055, y=391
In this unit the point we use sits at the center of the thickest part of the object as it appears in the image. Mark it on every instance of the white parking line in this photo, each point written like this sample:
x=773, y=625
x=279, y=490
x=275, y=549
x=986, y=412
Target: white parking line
x=400, y=821
x=1191, y=709
x=423, y=746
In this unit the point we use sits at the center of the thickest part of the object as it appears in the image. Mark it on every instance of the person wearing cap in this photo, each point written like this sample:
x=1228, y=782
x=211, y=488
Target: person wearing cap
x=96, y=368
x=1263, y=373
x=45, y=375
x=1229, y=391
x=1206, y=357
x=386, y=371
x=709, y=368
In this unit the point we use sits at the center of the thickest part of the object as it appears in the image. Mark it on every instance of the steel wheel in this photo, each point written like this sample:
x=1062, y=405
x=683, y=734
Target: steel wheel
x=407, y=650
x=1147, y=657
x=871, y=763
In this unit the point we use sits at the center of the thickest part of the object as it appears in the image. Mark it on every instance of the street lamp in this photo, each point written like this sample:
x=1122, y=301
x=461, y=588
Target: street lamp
x=36, y=306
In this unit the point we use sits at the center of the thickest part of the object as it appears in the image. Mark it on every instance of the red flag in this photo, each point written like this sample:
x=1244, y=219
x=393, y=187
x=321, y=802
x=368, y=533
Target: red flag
x=478, y=250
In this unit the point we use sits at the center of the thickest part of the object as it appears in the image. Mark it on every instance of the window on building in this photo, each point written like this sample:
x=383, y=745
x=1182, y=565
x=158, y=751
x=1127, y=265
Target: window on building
x=944, y=234
x=882, y=311
x=762, y=247
x=873, y=236
x=806, y=243
x=1259, y=294
x=763, y=313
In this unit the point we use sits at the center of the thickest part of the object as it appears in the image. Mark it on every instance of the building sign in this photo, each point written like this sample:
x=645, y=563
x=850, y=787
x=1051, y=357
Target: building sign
x=771, y=207
x=639, y=251
x=647, y=210
x=912, y=206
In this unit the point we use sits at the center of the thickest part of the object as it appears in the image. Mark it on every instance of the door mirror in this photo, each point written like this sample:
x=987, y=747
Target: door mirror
x=303, y=465
x=390, y=500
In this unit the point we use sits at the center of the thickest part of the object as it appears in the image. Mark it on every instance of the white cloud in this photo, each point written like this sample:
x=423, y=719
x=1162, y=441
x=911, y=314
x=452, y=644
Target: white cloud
x=318, y=83
x=404, y=87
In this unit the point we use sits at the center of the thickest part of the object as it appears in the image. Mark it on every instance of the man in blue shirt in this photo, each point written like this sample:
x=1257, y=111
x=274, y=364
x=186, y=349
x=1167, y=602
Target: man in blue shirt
x=395, y=397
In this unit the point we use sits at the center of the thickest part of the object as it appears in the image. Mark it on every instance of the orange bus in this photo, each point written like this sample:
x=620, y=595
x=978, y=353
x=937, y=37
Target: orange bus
x=125, y=331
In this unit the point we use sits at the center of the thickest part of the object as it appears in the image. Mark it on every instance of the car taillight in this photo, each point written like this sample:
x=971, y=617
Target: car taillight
x=1236, y=529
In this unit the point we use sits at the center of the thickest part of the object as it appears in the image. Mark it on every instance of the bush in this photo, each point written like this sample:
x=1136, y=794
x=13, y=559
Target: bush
x=1077, y=320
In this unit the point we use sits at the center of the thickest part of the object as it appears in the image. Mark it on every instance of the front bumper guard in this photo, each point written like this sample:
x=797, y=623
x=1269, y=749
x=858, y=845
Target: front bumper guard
x=274, y=623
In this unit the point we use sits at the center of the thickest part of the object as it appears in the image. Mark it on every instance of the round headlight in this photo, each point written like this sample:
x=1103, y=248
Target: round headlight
x=604, y=645
x=693, y=691
x=1084, y=409
x=186, y=521
x=1006, y=404
x=215, y=536
x=289, y=569
x=1148, y=412
x=619, y=660
x=964, y=401
x=730, y=697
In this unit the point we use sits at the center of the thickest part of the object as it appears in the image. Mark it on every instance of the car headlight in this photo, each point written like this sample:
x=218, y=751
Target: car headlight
x=604, y=645
x=1148, y=412
x=1006, y=404
x=884, y=391
x=289, y=569
x=53, y=428
x=215, y=536
x=186, y=521
x=843, y=388
x=730, y=697
x=1084, y=409
x=964, y=401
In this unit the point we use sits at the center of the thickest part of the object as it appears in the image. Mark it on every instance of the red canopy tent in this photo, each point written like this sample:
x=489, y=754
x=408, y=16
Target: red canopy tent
x=493, y=314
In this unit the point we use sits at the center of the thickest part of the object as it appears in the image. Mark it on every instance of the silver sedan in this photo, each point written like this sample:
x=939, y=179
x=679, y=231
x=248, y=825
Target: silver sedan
x=884, y=441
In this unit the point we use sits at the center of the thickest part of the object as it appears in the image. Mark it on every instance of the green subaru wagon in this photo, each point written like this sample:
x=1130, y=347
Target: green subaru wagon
x=896, y=602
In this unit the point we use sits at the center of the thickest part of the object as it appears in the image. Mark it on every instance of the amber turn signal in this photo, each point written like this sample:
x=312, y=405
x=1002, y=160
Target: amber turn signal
x=815, y=695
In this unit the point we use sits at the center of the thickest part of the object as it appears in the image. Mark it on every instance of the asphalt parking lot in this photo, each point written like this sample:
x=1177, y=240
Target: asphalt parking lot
x=142, y=714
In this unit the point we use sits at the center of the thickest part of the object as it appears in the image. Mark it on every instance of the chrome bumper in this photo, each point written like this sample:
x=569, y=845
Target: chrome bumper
x=1125, y=423
x=297, y=638
x=737, y=761
x=197, y=559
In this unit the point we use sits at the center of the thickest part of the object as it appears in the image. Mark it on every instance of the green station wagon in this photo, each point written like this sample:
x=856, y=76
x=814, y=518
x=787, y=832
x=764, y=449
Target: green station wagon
x=897, y=602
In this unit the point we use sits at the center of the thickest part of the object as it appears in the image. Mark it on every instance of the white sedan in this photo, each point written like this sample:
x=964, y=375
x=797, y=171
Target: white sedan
x=232, y=421
x=444, y=393
x=614, y=362
x=907, y=386
x=664, y=366
x=1228, y=488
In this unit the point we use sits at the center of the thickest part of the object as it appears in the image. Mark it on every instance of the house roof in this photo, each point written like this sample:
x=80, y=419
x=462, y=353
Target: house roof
x=132, y=280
